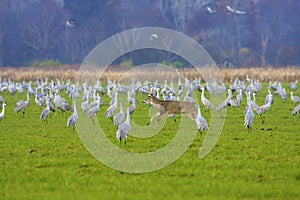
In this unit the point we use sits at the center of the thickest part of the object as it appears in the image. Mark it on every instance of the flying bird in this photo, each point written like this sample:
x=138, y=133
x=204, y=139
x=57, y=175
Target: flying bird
x=210, y=10
x=239, y=12
x=70, y=23
x=153, y=36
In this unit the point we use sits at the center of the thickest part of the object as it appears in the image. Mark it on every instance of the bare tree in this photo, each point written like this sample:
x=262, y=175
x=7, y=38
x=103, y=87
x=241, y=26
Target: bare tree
x=181, y=11
x=4, y=12
x=43, y=30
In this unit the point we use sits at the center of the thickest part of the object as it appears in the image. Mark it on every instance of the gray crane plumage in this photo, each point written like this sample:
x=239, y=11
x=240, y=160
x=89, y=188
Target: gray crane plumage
x=72, y=120
x=225, y=103
x=295, y=99
x=46, y=112
x=263, y=109
x=22, y=105
x=200, y=121
x=124, y=128
x=3, y=111
x=269, y=96
x=249, y=115
x=112, y=108
x=205, y=101
x=296, y=110
x=94, y=110
x=2, y=100
x=119, y=117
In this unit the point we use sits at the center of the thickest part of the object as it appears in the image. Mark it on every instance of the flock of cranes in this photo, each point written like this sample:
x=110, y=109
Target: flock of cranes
x=47, y=95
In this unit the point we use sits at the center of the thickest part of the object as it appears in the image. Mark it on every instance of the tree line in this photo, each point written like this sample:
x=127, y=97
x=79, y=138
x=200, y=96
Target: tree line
x=235, y=33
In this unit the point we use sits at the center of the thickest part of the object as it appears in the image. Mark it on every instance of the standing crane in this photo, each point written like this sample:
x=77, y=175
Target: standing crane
x=205, y=101
x=119, y=117
x=113, y=107
x=94, y=110
x=72, y=120
x=3, y=111
x=296, y=110
x=249, y=115
x=46, y=112
x=22, y=105
x=124, y=128
x=263, y=109
x=200, y=121
x=226, y=102
x=295, y=99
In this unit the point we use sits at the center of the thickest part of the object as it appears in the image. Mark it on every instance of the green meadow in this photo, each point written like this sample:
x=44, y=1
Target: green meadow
x=41, y=160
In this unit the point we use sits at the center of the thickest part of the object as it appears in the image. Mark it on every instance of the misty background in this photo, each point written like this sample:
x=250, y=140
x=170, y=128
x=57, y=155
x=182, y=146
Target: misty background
x=236, y=33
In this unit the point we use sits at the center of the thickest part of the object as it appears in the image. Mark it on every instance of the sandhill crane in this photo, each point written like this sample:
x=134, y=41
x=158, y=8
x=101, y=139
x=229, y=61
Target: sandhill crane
x=264, y=108
x=253, y=104
x=12, y=88
x=85, y=104
x=296, y=110
x=283, y=94
x=112, y=108
x=45, y=113
x=130, y=98
x=234, y=103
x=153, y=36
x=239, y=12
x=2, y=100
x=98, y=99
x=295, y=99
x=188, y=98
x=124, y=128
x=225, y=103
x=293, y=85
x=94, y=110
x=3, y=111
x=269, y=97
x=72, y=120
x=249, y=115
x=210, y=10
x=200, y=121
x=132, y=107
x=273, y=86
x=119, y=117
x=65, y=107
x=70, y=23
x=22, y=105
x=38, y=101
x=239, y=96
x=205, y=101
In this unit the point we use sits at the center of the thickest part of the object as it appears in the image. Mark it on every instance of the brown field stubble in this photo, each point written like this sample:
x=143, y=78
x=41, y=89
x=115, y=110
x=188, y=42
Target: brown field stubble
x=283, y=74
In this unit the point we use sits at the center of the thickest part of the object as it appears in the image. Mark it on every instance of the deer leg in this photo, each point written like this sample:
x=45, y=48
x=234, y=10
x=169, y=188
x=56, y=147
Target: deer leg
x=158, y=120
x=154, y=115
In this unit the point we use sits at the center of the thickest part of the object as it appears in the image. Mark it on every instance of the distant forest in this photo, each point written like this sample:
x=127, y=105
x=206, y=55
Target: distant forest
x=236, y=33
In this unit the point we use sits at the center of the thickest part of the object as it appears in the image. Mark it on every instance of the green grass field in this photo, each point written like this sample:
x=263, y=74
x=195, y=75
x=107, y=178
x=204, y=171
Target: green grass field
x=49, y=161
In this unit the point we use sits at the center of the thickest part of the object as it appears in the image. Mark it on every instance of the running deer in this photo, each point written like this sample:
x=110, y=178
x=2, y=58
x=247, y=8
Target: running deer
x=170, y=108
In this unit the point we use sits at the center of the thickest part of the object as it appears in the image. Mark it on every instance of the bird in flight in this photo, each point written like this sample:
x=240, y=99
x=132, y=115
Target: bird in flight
x=210, y=10
x=235, y=11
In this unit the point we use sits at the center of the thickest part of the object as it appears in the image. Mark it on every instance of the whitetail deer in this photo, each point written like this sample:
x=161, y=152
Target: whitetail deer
x=170, y=108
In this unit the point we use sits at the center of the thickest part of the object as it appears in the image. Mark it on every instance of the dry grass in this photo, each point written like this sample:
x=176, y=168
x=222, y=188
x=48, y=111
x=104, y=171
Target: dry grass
x=66, y=72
